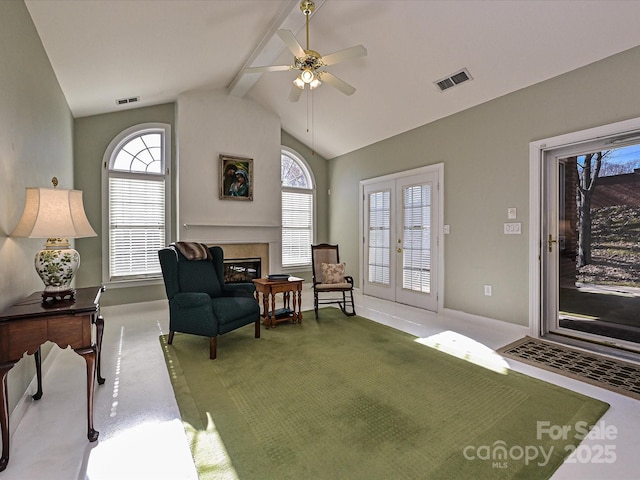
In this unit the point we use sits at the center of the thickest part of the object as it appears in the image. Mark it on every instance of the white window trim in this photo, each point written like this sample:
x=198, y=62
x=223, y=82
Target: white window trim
x=292, y=153
x=117, y=141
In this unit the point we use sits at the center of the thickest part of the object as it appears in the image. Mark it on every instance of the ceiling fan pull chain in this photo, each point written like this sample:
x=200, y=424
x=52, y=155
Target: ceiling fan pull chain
x=313, y=129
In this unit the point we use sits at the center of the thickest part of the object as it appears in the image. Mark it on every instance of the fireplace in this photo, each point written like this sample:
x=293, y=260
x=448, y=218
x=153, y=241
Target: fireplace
x=242, y=270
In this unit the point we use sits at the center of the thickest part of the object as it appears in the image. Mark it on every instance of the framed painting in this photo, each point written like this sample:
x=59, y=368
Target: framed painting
x=236, y=178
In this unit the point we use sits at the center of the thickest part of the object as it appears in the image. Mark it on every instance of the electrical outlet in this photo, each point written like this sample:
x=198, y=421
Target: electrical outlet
x=488, y=291
x=446, y=229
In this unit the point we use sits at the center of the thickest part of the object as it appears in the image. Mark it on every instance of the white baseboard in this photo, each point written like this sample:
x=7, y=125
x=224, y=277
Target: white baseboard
x=521, y=330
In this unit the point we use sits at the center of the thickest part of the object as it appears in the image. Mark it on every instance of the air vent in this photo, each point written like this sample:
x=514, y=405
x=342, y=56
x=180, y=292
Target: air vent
x=453, y=80
x=124, y=101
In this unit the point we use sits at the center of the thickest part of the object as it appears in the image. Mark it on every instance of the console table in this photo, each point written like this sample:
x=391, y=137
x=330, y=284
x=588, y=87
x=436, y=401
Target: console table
x=269, y=288
x=25, y=326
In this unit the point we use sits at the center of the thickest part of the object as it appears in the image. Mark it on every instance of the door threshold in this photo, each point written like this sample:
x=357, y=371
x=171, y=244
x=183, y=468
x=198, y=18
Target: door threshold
x=613, y=351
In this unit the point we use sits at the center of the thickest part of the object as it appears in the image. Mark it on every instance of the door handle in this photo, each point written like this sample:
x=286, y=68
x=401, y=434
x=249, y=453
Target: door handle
x=551, y=241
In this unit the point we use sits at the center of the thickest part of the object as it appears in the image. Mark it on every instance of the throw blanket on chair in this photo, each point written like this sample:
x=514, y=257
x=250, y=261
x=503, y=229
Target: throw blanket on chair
x=194, y=251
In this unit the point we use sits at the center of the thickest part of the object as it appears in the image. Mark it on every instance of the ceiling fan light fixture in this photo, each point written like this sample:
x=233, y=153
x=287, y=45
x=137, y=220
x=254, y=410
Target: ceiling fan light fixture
x=307, y=75
x=314, y=83
x=299, y=83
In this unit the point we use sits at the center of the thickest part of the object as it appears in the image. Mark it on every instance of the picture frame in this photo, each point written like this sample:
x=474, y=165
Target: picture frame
x=236, y=178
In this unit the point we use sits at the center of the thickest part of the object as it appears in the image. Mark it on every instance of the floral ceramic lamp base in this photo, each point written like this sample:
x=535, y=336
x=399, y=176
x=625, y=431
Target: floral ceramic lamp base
x=57, y=265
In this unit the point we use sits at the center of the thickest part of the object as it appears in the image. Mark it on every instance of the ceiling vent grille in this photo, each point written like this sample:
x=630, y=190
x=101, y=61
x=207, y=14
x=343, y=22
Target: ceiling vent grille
x=453, y=80
x=124, y=101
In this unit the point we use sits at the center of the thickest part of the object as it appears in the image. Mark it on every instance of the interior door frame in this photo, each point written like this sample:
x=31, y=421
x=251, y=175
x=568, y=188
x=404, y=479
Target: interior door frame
x=538, y=186
x=437, y=168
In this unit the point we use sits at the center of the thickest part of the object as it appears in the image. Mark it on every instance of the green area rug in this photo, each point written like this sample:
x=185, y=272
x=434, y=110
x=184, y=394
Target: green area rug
x=347, y=398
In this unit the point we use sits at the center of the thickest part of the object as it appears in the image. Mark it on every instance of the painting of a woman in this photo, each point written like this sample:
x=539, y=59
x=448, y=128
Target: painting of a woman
x=236, y=178
x=240, y=188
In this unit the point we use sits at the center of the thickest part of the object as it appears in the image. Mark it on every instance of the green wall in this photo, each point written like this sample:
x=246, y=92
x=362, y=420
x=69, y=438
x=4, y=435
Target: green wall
x=36, y=141
x=485, y=151
x=92, y=136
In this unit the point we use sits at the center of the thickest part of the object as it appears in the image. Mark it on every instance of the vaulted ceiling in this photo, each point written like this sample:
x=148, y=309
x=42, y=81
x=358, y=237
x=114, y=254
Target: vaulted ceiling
x=105, y=50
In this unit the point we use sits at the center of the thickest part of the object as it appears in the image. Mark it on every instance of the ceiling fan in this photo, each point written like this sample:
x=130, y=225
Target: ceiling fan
x=310, y=62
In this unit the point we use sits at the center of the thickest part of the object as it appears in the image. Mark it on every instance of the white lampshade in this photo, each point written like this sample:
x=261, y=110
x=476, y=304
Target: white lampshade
x=53, y=213
x=299, y=83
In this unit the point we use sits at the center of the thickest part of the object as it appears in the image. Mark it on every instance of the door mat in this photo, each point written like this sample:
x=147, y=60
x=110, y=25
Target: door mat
x=615, y=375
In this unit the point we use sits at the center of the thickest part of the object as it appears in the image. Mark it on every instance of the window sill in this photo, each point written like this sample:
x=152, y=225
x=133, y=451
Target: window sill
x=134, y=283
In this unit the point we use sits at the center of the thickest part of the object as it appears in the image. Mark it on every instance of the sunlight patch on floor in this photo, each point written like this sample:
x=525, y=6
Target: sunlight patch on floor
x=467, y=349
x=208, y=447
x=154, y=457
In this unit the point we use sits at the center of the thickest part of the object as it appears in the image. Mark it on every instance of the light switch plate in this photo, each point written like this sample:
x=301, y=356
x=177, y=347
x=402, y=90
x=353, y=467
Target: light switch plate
x=512, y=213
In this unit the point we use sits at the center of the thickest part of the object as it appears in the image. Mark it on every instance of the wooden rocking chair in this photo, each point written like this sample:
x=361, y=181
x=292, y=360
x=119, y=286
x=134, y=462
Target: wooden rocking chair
x=329, y=278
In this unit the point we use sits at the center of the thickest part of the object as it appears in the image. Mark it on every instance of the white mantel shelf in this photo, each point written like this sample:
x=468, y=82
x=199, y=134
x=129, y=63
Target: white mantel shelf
x=218, y=225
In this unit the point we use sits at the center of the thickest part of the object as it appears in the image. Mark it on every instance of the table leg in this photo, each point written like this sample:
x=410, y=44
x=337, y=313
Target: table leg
x=4, y=414
x=265, y=309
x=295, y=308
x=300, y=305
x=38, y=358
x=285, y=300
x=89, y=355
x=273, y=310
x=99, y=332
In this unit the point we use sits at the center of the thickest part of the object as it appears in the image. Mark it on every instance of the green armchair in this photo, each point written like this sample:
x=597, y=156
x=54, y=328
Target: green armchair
x=200, y=303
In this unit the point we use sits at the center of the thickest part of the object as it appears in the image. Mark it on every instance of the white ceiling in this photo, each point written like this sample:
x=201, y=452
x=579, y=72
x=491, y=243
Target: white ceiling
x=103, y=50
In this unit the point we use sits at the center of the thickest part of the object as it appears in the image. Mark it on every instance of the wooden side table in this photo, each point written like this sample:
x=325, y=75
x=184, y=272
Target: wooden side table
x=269, y=289
x=25, y=326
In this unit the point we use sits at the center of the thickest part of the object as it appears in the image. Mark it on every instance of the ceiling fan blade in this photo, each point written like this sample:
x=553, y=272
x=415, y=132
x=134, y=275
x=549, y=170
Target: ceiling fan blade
x=346, y=54
x=295, y=93
x=291, y=42
x=269, y=68
x=335, y=82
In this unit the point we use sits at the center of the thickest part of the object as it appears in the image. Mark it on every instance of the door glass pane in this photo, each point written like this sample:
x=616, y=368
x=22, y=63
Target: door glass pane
x=379, y=237
x=599, y=243
x=416, y=246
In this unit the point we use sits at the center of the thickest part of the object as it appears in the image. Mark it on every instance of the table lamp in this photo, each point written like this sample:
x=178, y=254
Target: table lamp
x=57, y=215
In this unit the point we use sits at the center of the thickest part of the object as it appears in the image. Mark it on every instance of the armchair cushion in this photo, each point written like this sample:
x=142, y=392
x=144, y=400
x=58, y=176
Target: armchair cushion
x=234, y=312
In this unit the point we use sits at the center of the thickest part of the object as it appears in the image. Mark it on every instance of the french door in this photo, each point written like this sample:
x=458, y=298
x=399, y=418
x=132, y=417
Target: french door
x=401, y=237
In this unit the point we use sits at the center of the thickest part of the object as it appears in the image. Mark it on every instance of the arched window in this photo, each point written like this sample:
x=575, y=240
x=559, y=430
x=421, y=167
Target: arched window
x=136, y=188
x=298, y=201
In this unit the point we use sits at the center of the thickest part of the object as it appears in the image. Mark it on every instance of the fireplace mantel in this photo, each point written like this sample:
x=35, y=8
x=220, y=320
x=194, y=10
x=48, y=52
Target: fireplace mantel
x=239, y=241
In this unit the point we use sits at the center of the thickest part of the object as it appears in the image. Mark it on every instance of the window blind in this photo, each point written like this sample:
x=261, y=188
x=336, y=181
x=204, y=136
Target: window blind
x=297, y=228
x=416, y=248
x=379, y=237
x=136, y=226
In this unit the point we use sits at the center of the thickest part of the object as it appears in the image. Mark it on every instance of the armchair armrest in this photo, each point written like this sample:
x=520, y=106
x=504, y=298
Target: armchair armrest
x=238, y=290
x=188, y=300
x=192, y=312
